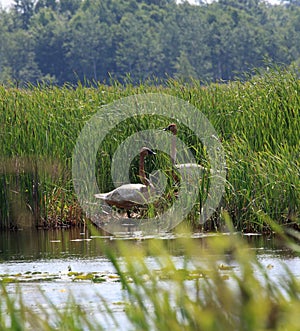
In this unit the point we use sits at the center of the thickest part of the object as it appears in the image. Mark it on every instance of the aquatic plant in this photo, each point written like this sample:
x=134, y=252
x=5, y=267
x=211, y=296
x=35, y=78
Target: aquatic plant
x=256, y=120
x=221, y=287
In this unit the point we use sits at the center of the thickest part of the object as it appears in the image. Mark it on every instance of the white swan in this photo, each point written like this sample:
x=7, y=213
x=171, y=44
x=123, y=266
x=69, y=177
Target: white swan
x=186, y=167
x=131, y=195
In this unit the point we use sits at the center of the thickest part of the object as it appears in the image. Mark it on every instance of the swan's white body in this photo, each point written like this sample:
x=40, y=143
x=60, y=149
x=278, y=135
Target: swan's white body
x=128, y=195
x=131, y=195
x=188, y=166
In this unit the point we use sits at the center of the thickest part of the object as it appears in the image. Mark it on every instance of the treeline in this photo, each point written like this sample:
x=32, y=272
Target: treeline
x=76, y=40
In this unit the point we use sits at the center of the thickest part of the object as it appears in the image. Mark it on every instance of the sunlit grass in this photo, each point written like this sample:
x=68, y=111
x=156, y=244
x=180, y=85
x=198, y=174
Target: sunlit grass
x=257, y=122
x=220, y=287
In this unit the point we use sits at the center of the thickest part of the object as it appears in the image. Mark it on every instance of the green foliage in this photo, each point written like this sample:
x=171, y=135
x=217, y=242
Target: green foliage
x=66, y=41
x=227, y=288
x=23, y=10
x=257, y=122
x=18, y=58
x=218, y=298
x=90, y=45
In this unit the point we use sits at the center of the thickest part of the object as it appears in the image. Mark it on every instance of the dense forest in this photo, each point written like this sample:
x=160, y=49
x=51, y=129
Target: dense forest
x=63, y=41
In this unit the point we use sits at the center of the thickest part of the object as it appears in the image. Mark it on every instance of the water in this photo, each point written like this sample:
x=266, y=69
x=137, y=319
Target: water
x=42, y=260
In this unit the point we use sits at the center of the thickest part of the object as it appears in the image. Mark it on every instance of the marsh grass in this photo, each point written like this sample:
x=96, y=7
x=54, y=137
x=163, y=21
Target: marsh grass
x=15, y=315
x=257, y=122
x=221, y=286
x=214, y=299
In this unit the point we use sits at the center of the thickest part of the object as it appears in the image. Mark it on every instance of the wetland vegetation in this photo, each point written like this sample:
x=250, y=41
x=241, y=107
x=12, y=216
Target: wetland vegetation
x=214, y=282
x=217, y=282
x=257, y=122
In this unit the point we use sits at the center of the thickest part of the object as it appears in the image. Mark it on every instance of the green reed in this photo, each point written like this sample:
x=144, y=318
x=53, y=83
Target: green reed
x=206, y=296
x=227, y=288
x=257, y=122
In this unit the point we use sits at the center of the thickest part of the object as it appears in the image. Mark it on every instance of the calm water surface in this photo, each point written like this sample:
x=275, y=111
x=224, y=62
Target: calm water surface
x=56, y=252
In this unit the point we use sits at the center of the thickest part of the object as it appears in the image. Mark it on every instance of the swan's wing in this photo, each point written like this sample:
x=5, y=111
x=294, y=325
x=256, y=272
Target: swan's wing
x=190, y=172
x=189, y=166
x=127, y=195
x=131, y=192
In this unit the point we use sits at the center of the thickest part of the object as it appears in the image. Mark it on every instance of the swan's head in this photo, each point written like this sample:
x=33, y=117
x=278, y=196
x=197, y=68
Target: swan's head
x=171, y=127
x=146, y=151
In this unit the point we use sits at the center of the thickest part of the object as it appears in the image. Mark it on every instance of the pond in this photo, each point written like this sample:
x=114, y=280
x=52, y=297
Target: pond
x=58, y=263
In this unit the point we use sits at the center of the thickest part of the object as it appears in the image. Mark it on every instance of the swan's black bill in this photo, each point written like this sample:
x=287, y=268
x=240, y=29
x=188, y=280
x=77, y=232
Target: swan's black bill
x=170, y=127
x=151, y=152
x=148, y=150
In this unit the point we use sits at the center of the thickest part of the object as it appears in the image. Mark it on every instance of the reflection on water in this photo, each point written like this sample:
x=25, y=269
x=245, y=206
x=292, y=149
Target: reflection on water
x=90, y=242
x=31, y=244
x=74, y=243
x=83, y=248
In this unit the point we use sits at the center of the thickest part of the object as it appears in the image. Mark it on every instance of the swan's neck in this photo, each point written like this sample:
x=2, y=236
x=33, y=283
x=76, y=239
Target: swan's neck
x=173, y=157
x=173, y=149
x=142, y=174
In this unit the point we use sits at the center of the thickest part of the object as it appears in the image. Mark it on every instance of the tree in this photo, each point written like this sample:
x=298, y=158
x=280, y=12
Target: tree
x=184, y=69
x=69, y=6
x=18, y=58
x=289, y=3
x=49, y=29
x=192, y=35
x=89, y=46
x=139, y=52
x=51, y=4
x=144, y=38
x=24, y=9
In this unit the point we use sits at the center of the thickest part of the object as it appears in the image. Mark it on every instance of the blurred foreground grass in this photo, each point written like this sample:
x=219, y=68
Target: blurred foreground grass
x=227, y=288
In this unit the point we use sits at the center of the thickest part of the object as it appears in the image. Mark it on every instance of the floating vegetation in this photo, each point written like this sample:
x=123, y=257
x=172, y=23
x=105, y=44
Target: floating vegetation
x=31, y=277
x=99, y=277
x=226, y=289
